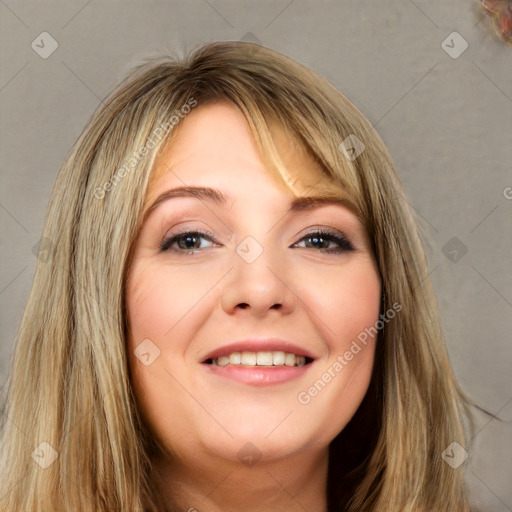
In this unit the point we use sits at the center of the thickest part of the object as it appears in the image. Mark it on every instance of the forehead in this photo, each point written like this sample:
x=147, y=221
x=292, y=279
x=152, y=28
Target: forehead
x=213, y=146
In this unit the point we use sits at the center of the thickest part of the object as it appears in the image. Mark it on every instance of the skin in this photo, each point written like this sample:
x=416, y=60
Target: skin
x=190, y=304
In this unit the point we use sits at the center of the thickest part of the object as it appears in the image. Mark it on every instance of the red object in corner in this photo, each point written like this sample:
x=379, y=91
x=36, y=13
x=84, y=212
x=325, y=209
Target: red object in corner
x=501, y=10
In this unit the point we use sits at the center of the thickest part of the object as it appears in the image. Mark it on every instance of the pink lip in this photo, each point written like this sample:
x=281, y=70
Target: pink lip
x=259, y=345
x=258, y=376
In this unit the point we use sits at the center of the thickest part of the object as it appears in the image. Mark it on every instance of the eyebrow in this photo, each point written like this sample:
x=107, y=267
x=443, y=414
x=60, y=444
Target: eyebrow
x=218, y=197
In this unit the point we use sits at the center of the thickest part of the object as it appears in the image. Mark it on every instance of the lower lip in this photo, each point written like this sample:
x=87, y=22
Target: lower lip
x=259, y=375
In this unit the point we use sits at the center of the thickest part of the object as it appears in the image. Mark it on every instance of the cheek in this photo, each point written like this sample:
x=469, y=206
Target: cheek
x=348, y=308
x=345, y=301
x=150, y=296
x=158, y=298
x=160, y=306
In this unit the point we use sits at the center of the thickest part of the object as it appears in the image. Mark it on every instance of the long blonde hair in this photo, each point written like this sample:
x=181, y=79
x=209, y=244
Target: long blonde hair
x=69, y=382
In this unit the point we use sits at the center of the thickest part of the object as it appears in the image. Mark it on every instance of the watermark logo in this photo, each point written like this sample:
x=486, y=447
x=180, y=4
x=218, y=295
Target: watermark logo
x=156, y=135
x=45, y=455
x=44, y=45
x=351, y=147
x=454, y=249
x=454, y=45
x=454, y=455
x=249, y=454
x=255, y=48
x=249, y=249
x=146, y=352
x=43, y=250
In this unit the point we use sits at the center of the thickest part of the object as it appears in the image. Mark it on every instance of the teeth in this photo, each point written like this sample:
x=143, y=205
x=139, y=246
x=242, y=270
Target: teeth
x=249, y=358
x=289, y=359
x=223, y=361
x=276, y=358
x=264, y=358
x=235, y=358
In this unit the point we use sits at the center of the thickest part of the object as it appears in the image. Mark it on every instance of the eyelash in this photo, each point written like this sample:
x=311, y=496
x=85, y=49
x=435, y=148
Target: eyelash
x=326, y=234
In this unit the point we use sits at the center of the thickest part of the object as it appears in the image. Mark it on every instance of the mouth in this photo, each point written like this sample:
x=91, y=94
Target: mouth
x=259, y=362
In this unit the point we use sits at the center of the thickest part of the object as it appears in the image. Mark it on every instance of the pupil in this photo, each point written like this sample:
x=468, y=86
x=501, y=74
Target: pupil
x=316, y=239
x=187, y=240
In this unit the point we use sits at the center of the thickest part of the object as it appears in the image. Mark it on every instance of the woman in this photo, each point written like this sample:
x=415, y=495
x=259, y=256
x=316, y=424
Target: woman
x=236, y=313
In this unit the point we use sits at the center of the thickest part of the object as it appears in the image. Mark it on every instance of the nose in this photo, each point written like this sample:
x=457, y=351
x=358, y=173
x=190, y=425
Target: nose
x=259, y=287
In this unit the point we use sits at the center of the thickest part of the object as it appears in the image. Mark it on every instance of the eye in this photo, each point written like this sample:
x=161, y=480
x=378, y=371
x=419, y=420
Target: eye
x=323, y=237
x=186, y=241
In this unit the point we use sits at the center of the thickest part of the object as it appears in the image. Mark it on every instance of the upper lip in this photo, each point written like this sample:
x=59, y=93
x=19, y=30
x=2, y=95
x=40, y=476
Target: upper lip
x=259, y=345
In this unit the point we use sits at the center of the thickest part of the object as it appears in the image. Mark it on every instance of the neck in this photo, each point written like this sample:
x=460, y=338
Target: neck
x=211, y=485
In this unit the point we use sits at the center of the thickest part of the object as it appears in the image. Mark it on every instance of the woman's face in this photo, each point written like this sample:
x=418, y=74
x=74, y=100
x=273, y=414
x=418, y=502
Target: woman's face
x=262, y=287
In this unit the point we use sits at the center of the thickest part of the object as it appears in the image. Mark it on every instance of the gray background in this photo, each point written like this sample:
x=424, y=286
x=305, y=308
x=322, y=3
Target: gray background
x=446, y=121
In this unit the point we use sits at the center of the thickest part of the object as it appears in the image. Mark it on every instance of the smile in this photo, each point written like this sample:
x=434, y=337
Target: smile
x=259, y=361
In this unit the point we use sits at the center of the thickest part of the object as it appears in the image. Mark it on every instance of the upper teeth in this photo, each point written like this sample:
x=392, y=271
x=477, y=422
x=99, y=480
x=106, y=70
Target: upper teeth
x=277, y=358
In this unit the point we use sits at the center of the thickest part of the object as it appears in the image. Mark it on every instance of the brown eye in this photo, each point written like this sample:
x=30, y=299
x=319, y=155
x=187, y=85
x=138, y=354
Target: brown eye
x=186, y=241
x=324, y=238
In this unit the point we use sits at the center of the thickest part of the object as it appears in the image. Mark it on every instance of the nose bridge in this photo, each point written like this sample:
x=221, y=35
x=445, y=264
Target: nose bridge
x=259, y=279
